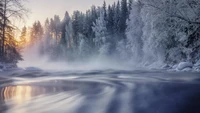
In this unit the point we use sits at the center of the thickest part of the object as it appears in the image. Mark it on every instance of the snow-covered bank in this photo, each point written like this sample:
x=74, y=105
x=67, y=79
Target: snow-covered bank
x=185, y=67
x=8, y=66
x=179, y=67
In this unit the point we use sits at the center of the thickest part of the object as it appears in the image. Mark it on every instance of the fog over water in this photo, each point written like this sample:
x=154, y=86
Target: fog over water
x=33, y=60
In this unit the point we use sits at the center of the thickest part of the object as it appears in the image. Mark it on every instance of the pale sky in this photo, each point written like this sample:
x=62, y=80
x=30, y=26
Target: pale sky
x=41, y=9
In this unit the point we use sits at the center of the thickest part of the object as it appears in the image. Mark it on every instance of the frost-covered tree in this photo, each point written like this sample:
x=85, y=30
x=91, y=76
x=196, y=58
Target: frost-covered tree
x=57, y=28
x=77, y=25
x=100, y=30
x=48, y=41
x=66, y=42
x=67, y=32
x=172, y=24
x=84, y=50
x=155, y=32
x=167, y=29
x=134, y=32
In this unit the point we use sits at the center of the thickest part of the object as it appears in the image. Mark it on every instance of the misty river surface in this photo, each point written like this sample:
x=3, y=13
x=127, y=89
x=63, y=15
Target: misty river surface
x=99, y=91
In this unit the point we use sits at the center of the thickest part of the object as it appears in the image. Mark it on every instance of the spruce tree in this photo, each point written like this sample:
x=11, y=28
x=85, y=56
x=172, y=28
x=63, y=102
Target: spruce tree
x=117, y=13
x=23, y=36
x=110, y=20
x=105, y=9
x=123, y=16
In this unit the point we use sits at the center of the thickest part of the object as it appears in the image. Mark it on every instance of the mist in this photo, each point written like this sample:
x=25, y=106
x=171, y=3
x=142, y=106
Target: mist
x=33, y=60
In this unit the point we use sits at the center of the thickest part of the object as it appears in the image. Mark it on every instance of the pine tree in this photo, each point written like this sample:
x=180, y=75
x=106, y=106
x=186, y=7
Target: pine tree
x=130, y=6
x=76, y=22
x=110, y=20
x=117, y=13
x=12, y=49
x=23, y=36
x=57, y=28
x=63, y=40
x=77, y=25
x=47, y=26
x=105, y=9
x=123, y=16
x=68, y=31
x=46, y=42
x=36, y=33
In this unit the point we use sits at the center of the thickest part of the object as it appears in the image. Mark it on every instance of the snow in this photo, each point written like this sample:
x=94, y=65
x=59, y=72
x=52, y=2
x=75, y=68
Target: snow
x=196, y=68
x=185, y=66
x=175, y=66
x=187, y=69
x=32, y=69
x=197, y=64
x=7, y=66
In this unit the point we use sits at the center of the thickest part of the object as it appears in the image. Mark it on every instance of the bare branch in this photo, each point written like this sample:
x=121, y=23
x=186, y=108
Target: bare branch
x=173, y=15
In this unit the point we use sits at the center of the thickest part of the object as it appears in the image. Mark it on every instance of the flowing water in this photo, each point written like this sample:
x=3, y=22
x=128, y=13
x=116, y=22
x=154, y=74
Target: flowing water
x=99, y=91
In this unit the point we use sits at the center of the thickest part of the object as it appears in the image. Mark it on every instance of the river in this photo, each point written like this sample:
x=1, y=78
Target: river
x=99, y=91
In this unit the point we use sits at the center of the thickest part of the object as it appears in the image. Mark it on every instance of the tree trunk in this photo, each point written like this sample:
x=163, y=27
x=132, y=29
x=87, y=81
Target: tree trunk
x=4, y=29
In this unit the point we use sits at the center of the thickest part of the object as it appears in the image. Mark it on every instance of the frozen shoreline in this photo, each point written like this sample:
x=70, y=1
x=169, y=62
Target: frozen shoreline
x=8, y=66
x=184, y=67
x=181, y=67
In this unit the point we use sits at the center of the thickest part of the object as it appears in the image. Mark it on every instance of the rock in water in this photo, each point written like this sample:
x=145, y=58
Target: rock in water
x=184, y=65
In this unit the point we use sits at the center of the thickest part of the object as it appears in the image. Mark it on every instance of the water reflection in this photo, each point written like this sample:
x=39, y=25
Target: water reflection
x=37, y=99
x=17, y=95
x=102, y=94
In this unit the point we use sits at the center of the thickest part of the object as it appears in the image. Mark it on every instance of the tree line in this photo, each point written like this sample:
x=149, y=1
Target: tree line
x=143, y=31
x=64, y=38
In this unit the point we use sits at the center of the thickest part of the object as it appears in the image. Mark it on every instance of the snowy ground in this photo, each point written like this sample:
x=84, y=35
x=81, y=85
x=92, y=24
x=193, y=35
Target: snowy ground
x=185, y=66
x=8, y=66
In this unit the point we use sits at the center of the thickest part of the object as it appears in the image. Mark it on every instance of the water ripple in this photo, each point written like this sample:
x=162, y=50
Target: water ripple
x=98, y=91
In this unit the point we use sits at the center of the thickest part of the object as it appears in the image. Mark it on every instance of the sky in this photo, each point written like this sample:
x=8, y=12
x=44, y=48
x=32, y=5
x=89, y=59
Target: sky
x=41, y=9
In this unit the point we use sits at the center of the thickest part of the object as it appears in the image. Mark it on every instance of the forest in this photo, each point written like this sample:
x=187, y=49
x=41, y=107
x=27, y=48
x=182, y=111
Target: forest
x=144, y=32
